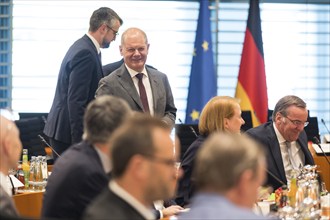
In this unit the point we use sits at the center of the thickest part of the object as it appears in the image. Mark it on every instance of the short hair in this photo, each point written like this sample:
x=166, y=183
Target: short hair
x=133, y=30
x=214, y=112
x=103, y=15
x=284, y=103
x=223, y=158
x=135, y=137
x=104, y=115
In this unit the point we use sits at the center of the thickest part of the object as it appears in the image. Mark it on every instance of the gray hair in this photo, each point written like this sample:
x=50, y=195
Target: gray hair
x=102, y=16
x=222, y=160
x=104, y=115
x=284, y=103
x=133, y=30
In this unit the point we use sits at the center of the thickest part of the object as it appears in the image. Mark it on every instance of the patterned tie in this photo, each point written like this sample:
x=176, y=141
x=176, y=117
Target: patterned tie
x=143, y=94
x=291, y=156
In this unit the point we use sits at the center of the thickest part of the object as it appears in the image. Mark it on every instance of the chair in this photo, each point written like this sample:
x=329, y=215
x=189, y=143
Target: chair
x=312, y=129
x=246, y=115
x=29, y=129
x=187, y=134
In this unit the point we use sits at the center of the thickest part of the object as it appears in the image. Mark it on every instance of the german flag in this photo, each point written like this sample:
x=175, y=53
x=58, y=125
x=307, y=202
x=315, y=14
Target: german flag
x=251, y=86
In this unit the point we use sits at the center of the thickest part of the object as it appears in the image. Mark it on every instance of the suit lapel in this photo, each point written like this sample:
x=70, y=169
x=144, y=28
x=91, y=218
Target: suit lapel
x=154, y=83
x=276, y=152
x=308, y=156
x=92, y=47
x=124, y=78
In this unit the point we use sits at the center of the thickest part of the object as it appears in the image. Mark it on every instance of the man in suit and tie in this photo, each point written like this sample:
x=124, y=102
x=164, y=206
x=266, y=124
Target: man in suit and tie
x=82, y=171
x=145, y=89
x=80, y=72
x=143, y=171
x=10, y=151
x=284, y=140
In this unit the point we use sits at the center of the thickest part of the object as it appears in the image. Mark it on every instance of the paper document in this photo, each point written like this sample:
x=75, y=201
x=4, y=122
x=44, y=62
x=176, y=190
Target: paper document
x=15, y=181
x=325, y=148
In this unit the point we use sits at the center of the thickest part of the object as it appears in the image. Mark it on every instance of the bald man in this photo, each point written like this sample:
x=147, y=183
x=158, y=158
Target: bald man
x=10, y=151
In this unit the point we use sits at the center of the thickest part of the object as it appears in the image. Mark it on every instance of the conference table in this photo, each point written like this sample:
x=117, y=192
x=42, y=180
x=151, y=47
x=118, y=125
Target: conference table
x=29, y=204
x=323, y=166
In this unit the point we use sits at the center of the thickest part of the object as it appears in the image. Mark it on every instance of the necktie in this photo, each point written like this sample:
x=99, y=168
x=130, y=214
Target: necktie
x=291, y=156
x=143, y=94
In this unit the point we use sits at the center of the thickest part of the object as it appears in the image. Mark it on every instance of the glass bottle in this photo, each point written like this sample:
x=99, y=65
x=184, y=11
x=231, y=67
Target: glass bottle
x=292, y=191
x=20, y=175
x=31, y=175
x=44, y=171
x=25, y=168
x=38, y=174
x=284, y=196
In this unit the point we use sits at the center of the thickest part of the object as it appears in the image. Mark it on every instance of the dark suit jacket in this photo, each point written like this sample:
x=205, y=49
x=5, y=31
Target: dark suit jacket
x=109, y=206
x=186, y=185
x=265, y=134
x=77, y=178
x=80, y=72
x=119, y=83
x=7, y=206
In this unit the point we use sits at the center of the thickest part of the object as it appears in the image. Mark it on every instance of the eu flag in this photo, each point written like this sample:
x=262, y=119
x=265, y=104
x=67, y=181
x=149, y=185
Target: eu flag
x=203, y=81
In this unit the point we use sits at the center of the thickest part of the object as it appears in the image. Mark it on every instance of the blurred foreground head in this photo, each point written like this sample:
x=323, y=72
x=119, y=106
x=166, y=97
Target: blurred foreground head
x=10, y=145
x=231, y=165
x=144, y=159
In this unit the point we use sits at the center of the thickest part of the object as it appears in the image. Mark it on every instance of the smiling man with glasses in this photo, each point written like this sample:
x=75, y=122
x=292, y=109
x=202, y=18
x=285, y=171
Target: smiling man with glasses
x=284, y=139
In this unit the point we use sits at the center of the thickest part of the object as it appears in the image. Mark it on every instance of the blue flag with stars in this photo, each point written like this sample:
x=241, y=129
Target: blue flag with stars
x=203, y=81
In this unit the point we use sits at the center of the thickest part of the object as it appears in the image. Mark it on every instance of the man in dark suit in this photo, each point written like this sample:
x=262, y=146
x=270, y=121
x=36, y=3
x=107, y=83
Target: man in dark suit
x=285, y=140
x=143, y=171
x=10, y=151
x=80, y=72
x=82, y=172
x=149, y=93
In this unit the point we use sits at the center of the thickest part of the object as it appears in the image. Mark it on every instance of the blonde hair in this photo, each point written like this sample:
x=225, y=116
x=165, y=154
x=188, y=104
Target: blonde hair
x=214, y=112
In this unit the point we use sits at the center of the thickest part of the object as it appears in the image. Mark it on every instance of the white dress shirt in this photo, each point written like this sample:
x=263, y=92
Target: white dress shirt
x=291, y=152
x=146, y=84
x=119, y=191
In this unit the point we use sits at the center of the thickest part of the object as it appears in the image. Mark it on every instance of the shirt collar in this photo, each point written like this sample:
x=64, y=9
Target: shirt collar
x=96, y=44
x=280, y=138
x=104, y=160
x=123, y=194
x=4, y=182
x=133, y=72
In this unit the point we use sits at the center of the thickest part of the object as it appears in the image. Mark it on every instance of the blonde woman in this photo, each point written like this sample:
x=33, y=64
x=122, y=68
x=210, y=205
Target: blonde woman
x=220, y=114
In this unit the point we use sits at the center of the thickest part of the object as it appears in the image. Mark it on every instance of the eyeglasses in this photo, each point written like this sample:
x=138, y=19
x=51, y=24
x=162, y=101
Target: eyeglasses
x=297, y=122
x=114, y=32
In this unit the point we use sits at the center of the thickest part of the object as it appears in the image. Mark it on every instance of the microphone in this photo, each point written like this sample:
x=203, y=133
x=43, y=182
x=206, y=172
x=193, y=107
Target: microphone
x=275, y=177
x=317, y=142
x=48, y=145
x=323, y=122
x=191, y=128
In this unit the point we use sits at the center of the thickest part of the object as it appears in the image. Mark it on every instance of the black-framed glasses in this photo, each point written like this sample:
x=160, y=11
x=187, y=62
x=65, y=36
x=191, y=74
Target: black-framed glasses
x=114, y=32
x=297, y=122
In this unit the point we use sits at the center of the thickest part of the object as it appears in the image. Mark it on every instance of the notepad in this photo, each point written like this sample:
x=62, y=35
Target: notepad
x=325, y=147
